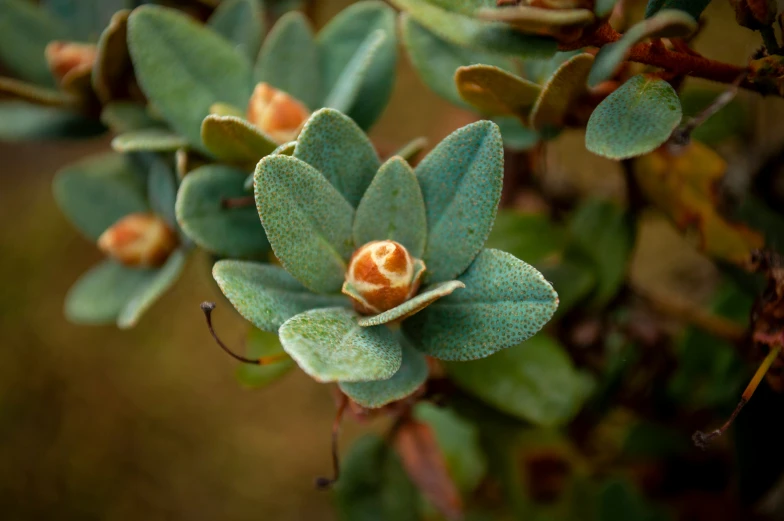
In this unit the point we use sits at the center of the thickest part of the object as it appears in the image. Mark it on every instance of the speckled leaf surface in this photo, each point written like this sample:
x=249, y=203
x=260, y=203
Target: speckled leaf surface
x=289, y=60
x=461, y=183
x=412, y=373
x=147, y=293
x=308, y=222
x=505, y=302
x=393, y=208
x=184, y=68
x=100, y=294
x=668, y=23
x=241, y=23
x=339, y=41
x=563, y=88
x=25, y=29
x=413, y=305
x=495, y=92
x=635, y=119
x=344, y=93
x=335, y=146
x=468, y=31
x=267, y=295
x=148, y=140
x=534, y=381
x=233, y=232
x=162, y=191
x=96, y=192
x=436, y=59
x=259, y=344
x=329, y=346
x=234, y=140
x=113, y=68
x=693, y=7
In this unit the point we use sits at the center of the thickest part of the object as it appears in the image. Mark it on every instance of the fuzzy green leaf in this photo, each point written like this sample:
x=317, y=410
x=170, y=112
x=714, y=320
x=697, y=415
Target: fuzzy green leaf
x=392, y=208
x=436, y=59
x=329, y=345
x=260, y=344
x=495, y=92
x=308, y=223
x=335, y=146
x=266, y=295
x=184, y=68
x=126, y=116
x=96, y=192
x=560, y=92
x=234, y=140
x=535, y=381
x=233, y=232
x=412, y=373
x=413, y=305
x=635, y=119
x=112, y=71
x=162, y=191
x=289, y=60
x=505, y=302
x=25, y=30
x=86, y=18
x=101, y=293
x=148, y=140
x=461, y=183
x=470, y=32
x=341, y=40
x=151, y=290
x=240, y=22
x=23, y=121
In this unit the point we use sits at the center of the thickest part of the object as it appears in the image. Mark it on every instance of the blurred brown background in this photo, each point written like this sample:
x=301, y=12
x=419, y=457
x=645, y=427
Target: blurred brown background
x=150, y=424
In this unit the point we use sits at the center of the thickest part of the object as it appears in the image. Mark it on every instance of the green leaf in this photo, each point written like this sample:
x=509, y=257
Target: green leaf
x=112, y=71
x=341, y=40
x=16, y=90
x=539, y=71
x=516, y=136
x=96, y=192
x=148, y=140
x=604, y=8
x=25, y=30
x=260, y=344
x=635, y=119
x=241, y=23
x=286, y=149
x=668, y=23
x=266, y=295
x=235, y=140
x=411, y=375
x=184, y=68
x=530, y=237
x=534, y=381
x=232, y=232
x=602, y=233
x=560, y=93
x=100, y=294
x=308, y=223
x=574, y=281
x=329, y=345
x=461, y=183
x=392, y=208
x=373, y=485
x=335, y=146
x=162, y=191
x=413, y=305
x=495, y=92
x=126, y=116
x=289, y=60
x=22, y=121
x=151, y=290
x=436, y=59
x=344, y=93
x=459, y=443
x=470, y=32
x=539, y=20
x=693, y=7
x=505, y=302
x=86, y=18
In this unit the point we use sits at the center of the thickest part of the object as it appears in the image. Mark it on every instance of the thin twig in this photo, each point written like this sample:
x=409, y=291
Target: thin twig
x=207, y=308
x=325, y=483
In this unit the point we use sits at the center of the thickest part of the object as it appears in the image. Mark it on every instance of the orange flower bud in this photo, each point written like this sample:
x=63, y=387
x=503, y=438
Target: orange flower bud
x=140, y=240
x=382, y=275
x=276, y=113
x=64, y=57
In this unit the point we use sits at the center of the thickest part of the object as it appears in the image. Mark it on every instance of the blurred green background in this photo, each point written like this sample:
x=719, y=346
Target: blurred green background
x=97, y=423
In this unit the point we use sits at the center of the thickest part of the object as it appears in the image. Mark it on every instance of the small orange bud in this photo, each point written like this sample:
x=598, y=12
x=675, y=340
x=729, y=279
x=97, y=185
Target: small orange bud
x=64, y=57
x=382, y=275
x=276, y=113
x=140, y=240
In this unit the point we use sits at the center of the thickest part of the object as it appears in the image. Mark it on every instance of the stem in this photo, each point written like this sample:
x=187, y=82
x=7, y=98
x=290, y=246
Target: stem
x=325, y=483
x=207, y=308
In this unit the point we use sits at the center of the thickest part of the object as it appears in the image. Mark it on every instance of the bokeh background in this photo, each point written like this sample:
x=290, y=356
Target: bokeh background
x=97, y=423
